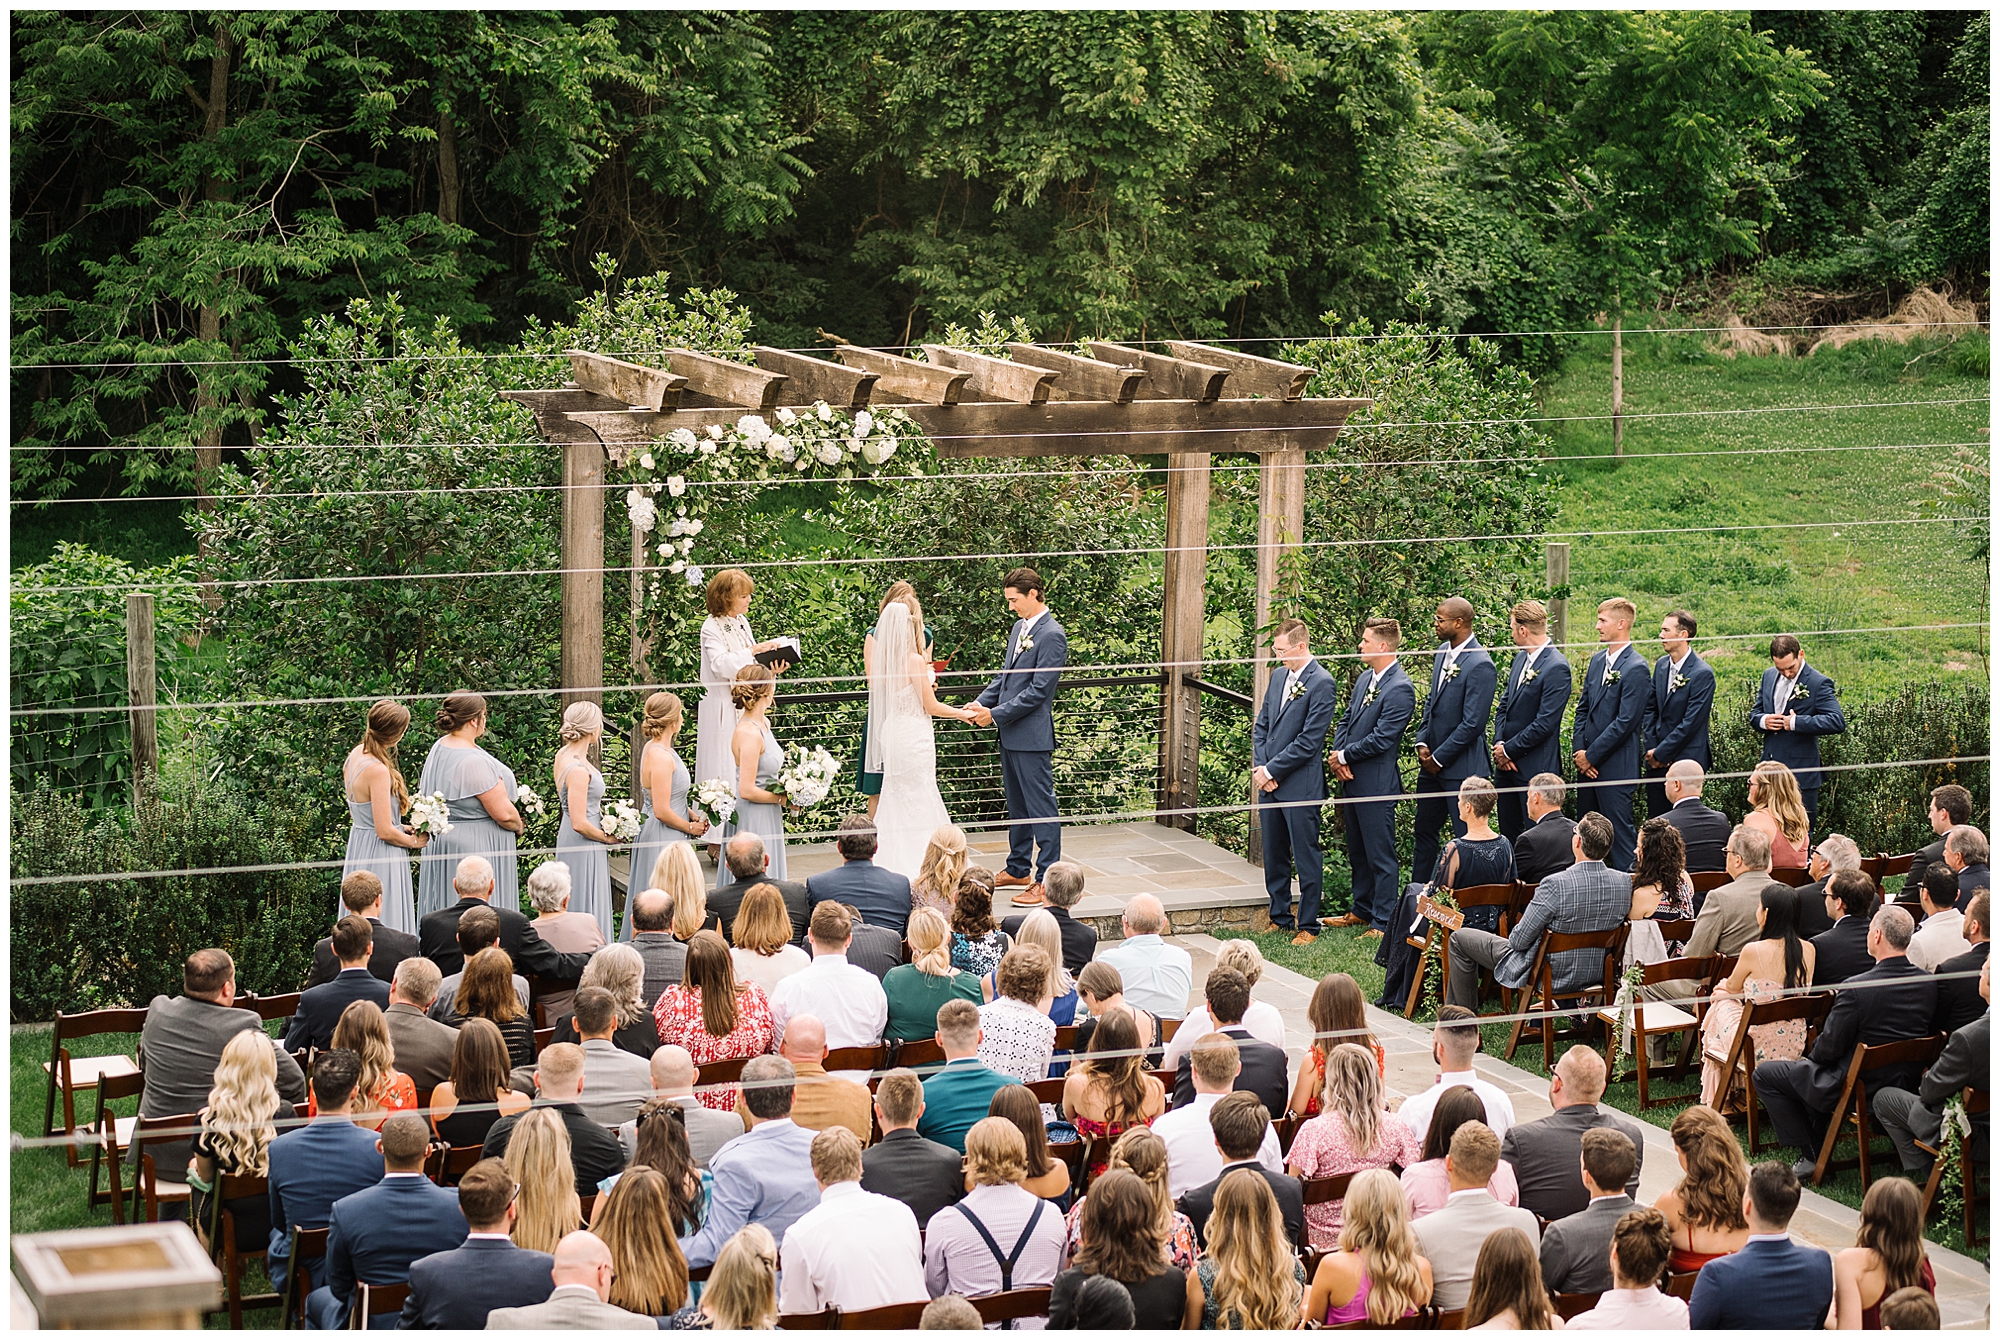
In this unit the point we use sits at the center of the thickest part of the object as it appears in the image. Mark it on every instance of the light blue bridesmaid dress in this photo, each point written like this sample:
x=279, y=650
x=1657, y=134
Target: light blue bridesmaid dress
x=589, y=860
x=655, y=836
x=462, y=776
x=387, y=862
x=766, y=821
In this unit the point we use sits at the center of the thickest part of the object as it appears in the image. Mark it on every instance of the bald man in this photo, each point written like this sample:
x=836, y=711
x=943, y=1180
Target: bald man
x=580, y=1302
x=1548, y=1154
x=821, y=1101
x=673, y=1073
x=1451, y=741
x=1704, y=831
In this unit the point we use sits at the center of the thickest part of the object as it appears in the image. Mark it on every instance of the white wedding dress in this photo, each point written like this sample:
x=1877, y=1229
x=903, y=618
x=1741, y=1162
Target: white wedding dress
x=902, y=747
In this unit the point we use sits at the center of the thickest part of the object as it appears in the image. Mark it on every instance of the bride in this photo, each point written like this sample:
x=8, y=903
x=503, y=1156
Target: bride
x=901, y=703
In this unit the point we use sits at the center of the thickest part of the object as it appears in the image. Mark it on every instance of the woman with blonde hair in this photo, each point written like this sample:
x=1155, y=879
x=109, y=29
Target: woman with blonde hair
x=565, y=931
x=868, y=780
x=237, y=1127
x=759, y=758
x=664, y=783
x=1108, y=1091
x=713, y=1015
x=1704, y=1213
x=917, y=990
x=479, y=793
x=727, y=648
x=1251, y=1279
x=1144, y=1154
x=382, y=1089
x=1354, y=1131
x=1376, y=1275
x=619, y=970
x=486, y=991
x=742, y=1292
x=1887, y=1255
x=677, y=873
x=1507, y=1291
x=945, y=859
x=762, y=949
x=1040, y=929
x=580, y=843
x=635, y=1221
x=1260, y=1018
x=377, y=798
x=1779, y=812
x=538, y=1159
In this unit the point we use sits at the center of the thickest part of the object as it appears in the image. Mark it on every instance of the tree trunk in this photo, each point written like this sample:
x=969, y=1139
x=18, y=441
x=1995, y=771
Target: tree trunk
x=1618, y=383
x=207, y=398
x=447, y=169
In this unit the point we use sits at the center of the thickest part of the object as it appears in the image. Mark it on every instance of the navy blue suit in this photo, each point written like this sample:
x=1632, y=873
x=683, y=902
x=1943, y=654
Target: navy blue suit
x=1288, y=741
x=454, y=1290
x=1767, y=1286
x=882, y=897
x=320, y=1008
x=1895, y=1000
x=375, y=1235
x=1369, y=741
x=1529, y=725
x=1607, y=726
x=312, y=1166
x=1676, y=725
x=1454, y=726
x=1021, y=698
x=1815, y=710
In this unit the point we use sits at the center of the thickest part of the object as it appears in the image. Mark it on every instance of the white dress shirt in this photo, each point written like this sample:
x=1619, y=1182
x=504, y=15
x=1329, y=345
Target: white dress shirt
x=1157, y=976
x=847, y=999
x=854, y=1251
x=1611, y=657
x=1781, y=692
x=1942, y=936
x=1451, y=654
x=1416, y=1109
x=1633, y=1310
x=1192, y=1158
x=1261, y=1020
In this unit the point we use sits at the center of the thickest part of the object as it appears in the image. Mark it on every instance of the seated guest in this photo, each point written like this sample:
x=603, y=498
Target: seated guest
x=1635, y=1302
x=1576, y=1249
x=315, y=1165
x=1108, y=1091
x=660, y=1145
x=1454, y=1042
x=1378, y=1275
x=1143, y=1154
x=672, y=1075
x=1661, y=891
x=1507, y=1289
x=761, y=948
x=745, y=863
x=1062, y=889
x=1426, y=1184
x=1240, y=1125
x=361, y=895
x=712, y=1016
x=618, y=970
x=472, y=881
x=820, y=1101
x=1704, y=1212
x=374, y=1234
x=764, y=1176
x=1830, y=855
x=486, y=991
x=977, y=942
x=1546, y=845
x=382, y=1088
x=959, y=1243
x=1773, y=1284
x=1728, y=917
x=615, y=1082
x=1774, y=964
x=582, y=1274
x=1250, y=1278
x=1261, y=1019
x=321, y=1007
x=846, y=999
x=636, y=1219
x=478, y=1081
x=1451, y=1238
x=478, y=929
x=1778, y=811
x=1040, y=931
x=1897, y=1002
x=854, y=1250
x=1265, y=1069
x=881, y=896
x=962, y=1092
x=1192, y=1156
x=742, y=1292
x=1950, y=806
x=944, y=865
x=539, y=1161
x=1965, y=852
x=1910, y=1310
x=923, y=1174
x=237, y=1127
x=1354, y=1131
x=1017, y=1037
x=1101, y=991
x=566, y=931
x=1888, y=1254
x=664, y=958
x=1337, y=1013
x=950, y=1313
x=1545, y=1153
x=1966, y=1061
x=595, y=1153
x=1842, y=952
x=1482, y=856
x=681, y=878
x=915, y=990
x=1047, y=1176
x=1157, y=976
x=1121, y=1237
x=1959, y=1001
x=423, y=1046
x=1940, y=931
x=873, y=949
x=1704, y=831
x=454, y=1290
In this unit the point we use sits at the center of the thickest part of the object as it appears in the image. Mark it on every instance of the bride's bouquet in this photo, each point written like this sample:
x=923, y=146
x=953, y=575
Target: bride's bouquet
x=429, y=814
x=529, y=801
x=713, y=800
x=622, y=821
x=808, y=777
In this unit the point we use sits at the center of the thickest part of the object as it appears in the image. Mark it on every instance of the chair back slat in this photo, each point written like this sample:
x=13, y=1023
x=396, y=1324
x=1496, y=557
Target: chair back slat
x=543, y=1037
x=894, y=1317
x=1796, y=876
x=1676, y=931
x=1325, y=1190
x=1169, y=1027
x=1066, y=1038
x=1014, y=1304
x=1569, y=1305
x=856, y=1058
x=1708, y=881
x=1047, y=1090
x=448, y=1163
x=921, y=1052
x=809, y=1321
x=376, y=1300
x=271, y=1008
x=721, y=1072
x=1681, y=1285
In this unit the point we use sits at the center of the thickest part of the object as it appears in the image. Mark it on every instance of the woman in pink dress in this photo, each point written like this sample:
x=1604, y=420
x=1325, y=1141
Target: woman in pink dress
x=1778, y=811
x=1354, y=1132
x=712, y=1015
x=1777, y=961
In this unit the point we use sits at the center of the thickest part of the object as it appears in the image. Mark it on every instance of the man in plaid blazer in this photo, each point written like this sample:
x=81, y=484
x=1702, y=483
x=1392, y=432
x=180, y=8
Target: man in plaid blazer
x=1589, y=896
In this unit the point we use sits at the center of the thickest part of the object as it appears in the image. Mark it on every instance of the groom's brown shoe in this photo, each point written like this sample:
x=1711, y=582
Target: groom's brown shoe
x=1029, y=897
x=1003, y=880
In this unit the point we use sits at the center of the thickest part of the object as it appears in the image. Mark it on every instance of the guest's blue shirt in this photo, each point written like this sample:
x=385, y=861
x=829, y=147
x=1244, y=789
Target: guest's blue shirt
x=763, y=1176
x=956, y=1097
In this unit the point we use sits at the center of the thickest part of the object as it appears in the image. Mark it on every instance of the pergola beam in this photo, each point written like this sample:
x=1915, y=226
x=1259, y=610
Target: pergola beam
x=720, y=382
x=628, y=383
x=1082, y=378
x=1142, y=428
x=1167, y=378
x=809, y=379
x=923, y=383
x=1248, y=374
x=994, y=378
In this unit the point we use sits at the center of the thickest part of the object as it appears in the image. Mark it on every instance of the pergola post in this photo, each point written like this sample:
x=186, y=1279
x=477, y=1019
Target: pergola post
x=583, y=571
x=1281, y=524
x=1183, y=615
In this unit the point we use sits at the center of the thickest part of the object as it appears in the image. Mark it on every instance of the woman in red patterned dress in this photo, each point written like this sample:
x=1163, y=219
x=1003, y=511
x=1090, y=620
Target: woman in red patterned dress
x=713, y=1015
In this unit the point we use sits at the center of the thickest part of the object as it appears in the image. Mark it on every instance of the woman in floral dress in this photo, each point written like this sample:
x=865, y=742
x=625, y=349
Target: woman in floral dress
x=1353, y=1133
x=1778, y=959
x=713, y=1015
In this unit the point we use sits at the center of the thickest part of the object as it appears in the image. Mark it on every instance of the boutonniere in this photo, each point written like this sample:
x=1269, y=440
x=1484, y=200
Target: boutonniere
x=1374, y=692
x=1450, y=673
x=1678, y=683
x=1613, y=676
x=1529, y=675
x=1295, y=690
x=1027, y=643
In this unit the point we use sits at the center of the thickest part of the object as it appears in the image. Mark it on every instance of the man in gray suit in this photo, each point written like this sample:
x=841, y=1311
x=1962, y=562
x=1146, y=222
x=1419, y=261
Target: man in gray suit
x=1589, y=896
x=423, y=1045
x=1546, y=1154
x=615, y=1082
x=664, y=956
x=1450, y=1238
x=672, y=1073
x=1576, y=1250
x=580, y=1300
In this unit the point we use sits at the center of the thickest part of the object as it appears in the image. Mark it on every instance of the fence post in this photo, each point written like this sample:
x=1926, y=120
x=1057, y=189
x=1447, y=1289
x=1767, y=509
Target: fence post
x=1558, y=573
x=141, y=691
x=1183, y=615
x=583, y=572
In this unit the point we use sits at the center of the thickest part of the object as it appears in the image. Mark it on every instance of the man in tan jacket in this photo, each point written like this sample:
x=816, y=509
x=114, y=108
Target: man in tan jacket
x=820, y=1100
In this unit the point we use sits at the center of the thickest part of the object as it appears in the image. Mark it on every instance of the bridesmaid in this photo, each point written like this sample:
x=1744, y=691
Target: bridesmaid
x=377, y=842
x=663, y=780
x=868, y=771
x=479, y=793
x=758, y=760
x=580, y=843
x=726, y=647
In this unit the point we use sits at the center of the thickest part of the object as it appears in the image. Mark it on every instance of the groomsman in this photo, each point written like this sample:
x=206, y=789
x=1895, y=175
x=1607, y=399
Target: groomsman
x=1677, y=709
x=1527, y=734
x=1288, y=776
x=1609, y=714
x=1366, y=748
x=1451, y=742
x=1796, y=705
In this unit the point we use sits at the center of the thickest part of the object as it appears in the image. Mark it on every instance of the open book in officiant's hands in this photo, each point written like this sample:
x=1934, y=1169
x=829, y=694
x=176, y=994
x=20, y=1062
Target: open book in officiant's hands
x=782, y=651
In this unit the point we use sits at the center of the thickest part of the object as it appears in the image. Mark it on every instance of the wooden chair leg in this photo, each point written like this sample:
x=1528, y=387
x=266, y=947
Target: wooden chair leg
x=1861, y=1134
x=1639, y=1053
x=1417, y=983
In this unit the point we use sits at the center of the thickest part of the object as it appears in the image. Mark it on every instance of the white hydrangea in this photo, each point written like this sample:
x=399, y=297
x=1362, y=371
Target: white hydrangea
x=753, y=427
x=682, y=438
x=677, y=484
x=645, y=460
x=640, y=508
x=715, y=431
x=679, y=565
x=824, y=410
x=829, y=453
x=875, y=452
x=687, y=546
x=786, y=416
x=778, y=446
x=864, y=423
x=694, y=576
x=666, y=548
x=708, y=448
x=801, y=463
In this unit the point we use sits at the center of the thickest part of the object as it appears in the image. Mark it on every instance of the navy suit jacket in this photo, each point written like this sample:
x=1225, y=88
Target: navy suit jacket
x=1874, y=1015
x=1768, y=1286
x=1288, y=739
x=375, y=1234
x=881, y=896
x=1529, y=722
x=1371, y=734
x=1020, y=695
x=1815, y=709
x=1456, y=713
x=454, y=1290
x=320, y=1008
x=1609, y=716
x=312, y=1166
x=388, y=948
x=1676, y=725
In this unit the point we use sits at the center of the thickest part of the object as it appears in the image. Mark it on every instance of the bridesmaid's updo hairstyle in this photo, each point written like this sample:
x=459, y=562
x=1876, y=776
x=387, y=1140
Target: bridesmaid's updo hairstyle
x=663, y=716
x=904, y=594
x=754, y=682
x=581, y=721
x=387, y=721
x=459, y=709
x=725, y=588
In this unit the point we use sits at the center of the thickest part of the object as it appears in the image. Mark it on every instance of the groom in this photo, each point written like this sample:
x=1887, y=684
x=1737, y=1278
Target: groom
x=1018, y=703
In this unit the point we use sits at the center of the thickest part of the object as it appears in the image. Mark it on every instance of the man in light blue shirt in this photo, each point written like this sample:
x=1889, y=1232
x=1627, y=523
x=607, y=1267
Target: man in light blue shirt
x=765, y=1175
x=1157, y=976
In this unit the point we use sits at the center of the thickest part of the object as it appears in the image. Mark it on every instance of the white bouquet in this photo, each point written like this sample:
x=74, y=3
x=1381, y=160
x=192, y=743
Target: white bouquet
x=429, y=814
x=808, y=777
x=622, y=821
x=529, y=801
x=713, y=800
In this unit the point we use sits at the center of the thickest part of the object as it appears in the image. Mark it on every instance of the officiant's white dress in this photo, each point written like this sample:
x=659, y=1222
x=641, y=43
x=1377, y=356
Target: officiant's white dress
x=726, y=643
x=903, y=749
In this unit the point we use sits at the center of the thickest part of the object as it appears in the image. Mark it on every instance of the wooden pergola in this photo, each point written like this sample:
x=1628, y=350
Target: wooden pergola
x=1194, y=404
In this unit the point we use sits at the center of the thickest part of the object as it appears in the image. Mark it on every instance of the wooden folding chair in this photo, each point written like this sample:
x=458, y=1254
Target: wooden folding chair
x=1287, y=1128
x=1853, y=1103
x=543, y=1037
x=894, y=1317
x=108, y=1135
x=1653, y=1017
x=919, y=1053
x=1796, y=876
x=720, y=1072
x=810, y=1321
x=1977, y=1102
x=1706, y=882
x=1425, y=1318
x=1541, y=995
x=1169, y=1027
x=1014, y=1304
x=70, y=1075
x=1681, y=1285
x=1893, y=865
x=447, y=1163
x=855, y=1058
x=1047, y=1090
x=1437, y=939
x=148, y=1191
x=272, y=1008
x=1741, y=1057
x=308, y=1253
x=230, y=1256
x=1326, y=1190
x=1678, y=931
x=1066, y=1038
x=376, y=1300
x=1569, y=1305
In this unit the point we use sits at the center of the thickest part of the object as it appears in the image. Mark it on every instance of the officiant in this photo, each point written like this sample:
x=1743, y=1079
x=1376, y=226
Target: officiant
x=726, y=647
